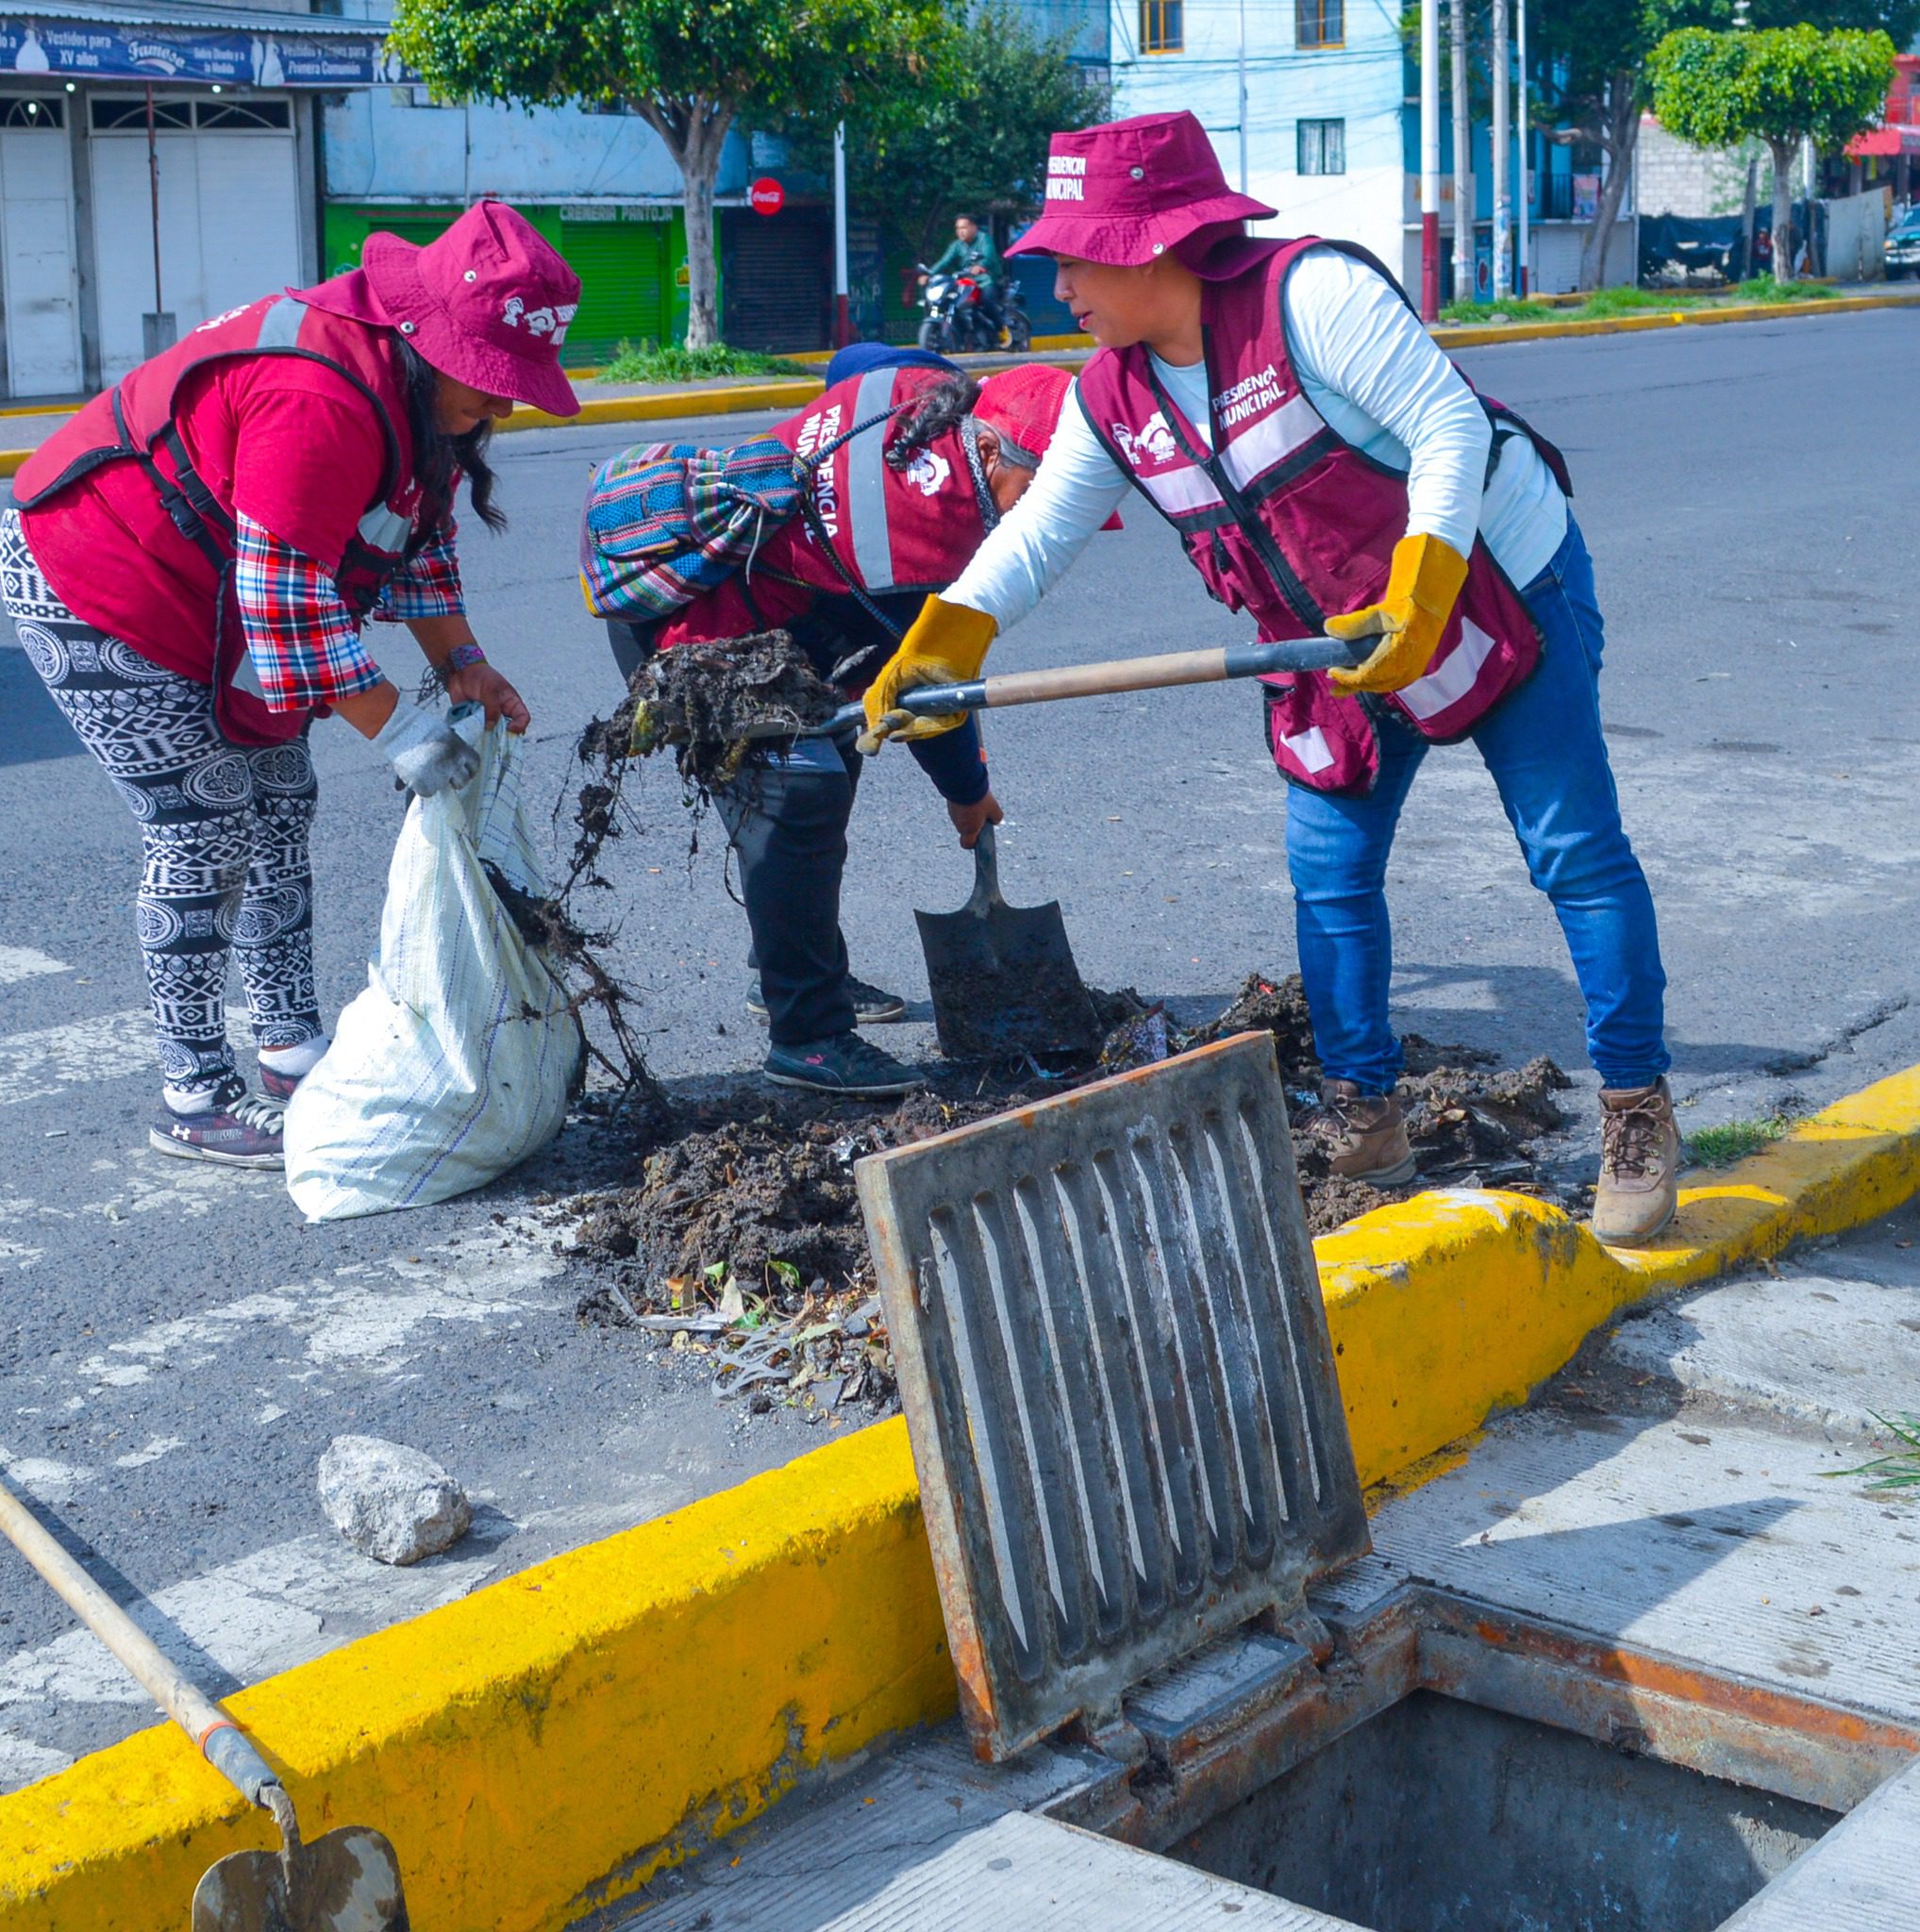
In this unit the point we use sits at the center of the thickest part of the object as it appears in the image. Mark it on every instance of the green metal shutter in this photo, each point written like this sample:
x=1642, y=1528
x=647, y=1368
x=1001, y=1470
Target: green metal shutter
x=624, y=289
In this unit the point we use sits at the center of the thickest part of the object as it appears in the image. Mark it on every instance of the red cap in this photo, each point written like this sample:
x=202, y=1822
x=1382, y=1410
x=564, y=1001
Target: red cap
x=1128, y=192
x=1023, y=406
x=487, y=303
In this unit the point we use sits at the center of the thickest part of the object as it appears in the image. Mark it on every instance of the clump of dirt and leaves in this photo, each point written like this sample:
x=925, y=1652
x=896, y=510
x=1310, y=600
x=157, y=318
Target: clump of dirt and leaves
x=739, y=1243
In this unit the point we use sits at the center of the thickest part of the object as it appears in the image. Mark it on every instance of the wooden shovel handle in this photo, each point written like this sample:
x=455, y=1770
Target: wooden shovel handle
x=1114, y=674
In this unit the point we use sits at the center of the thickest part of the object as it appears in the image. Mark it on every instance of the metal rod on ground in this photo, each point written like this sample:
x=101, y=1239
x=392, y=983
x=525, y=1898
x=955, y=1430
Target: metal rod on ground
x=1462, y=159
x=1524, y=279
x=1429, y=154
x=842, y=321
x=1503, y=206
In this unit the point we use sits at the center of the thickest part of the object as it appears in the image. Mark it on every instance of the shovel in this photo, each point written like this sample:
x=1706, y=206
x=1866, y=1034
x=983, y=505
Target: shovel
x=1002, y=976
x=1160, y=672
x=347, y=1880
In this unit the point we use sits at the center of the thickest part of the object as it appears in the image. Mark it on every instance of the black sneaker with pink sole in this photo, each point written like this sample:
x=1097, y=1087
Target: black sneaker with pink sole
x=240, y=1130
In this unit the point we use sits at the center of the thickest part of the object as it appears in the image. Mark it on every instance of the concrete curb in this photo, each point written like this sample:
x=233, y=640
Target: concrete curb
x=539, y=1749
x=791, y=391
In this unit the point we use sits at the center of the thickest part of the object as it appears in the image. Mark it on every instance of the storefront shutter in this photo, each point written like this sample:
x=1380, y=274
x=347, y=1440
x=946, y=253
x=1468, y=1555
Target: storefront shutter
x=623, y=292
x=777, y=278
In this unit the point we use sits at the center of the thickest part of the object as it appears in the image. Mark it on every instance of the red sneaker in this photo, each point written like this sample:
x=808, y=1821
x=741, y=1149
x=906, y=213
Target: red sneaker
x=239, y=1129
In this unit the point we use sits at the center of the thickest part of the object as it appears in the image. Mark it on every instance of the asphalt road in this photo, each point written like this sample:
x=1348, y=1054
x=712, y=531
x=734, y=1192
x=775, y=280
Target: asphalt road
x=178, y=1348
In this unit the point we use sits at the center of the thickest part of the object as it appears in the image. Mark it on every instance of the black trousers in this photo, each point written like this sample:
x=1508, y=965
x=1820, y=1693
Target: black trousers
x=787, y=815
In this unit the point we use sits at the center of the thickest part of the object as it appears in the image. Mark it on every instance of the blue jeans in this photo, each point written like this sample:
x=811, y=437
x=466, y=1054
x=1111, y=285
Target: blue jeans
x=1543, y=746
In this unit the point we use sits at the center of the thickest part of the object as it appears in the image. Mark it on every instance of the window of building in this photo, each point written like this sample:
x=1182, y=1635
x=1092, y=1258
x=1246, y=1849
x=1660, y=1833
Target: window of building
x=110, y=111
x=1319, y=24
x=32, y=110
x=1162, y=30
x=279, y=114
x=1322, y=147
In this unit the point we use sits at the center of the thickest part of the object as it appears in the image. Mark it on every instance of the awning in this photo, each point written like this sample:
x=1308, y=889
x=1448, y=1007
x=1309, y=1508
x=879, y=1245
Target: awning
x=1887, y=141
x=189, y=45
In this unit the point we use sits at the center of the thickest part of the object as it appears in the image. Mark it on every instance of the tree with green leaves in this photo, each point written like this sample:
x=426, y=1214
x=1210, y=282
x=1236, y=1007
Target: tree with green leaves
x=1784, y=85
x=691, y=69
x=976, y=146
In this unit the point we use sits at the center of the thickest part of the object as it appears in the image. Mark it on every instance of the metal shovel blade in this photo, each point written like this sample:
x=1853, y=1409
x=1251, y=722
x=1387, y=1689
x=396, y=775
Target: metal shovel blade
x=1003, y=978
x=345, y=1881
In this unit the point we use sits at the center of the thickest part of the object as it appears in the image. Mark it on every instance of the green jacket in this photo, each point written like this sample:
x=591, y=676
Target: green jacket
x=977, y=257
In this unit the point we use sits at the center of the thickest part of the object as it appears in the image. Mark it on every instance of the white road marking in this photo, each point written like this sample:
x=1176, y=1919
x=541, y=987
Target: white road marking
x=268, y=1611
x=53, y=1482
x=156, y=1446
x=110, y=1047
x=25, y=962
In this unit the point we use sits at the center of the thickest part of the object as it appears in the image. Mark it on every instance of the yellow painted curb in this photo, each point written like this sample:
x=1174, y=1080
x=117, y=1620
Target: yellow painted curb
x=541, y=1748
x=1489, y=336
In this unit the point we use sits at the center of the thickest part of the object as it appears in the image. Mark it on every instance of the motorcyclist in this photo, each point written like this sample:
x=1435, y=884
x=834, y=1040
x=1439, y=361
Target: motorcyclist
x=972, y=253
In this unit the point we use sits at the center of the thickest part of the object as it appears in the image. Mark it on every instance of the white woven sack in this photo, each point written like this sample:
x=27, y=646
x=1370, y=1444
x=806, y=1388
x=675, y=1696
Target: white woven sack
x=458, y=1059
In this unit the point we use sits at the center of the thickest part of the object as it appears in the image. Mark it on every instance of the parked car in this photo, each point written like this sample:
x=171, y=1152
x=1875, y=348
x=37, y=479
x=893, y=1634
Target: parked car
x=1901, y=249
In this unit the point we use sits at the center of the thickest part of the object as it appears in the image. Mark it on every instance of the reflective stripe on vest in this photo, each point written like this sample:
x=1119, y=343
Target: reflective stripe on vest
x=865, y=458
x=281, y=324
x=1270, y=441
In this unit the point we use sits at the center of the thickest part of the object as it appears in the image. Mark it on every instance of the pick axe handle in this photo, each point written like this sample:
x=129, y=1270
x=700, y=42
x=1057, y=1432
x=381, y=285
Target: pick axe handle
x=221, y=1743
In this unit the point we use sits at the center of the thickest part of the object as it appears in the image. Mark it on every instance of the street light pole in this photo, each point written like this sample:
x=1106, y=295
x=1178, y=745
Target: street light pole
x=1243, y=96
x=1462, y=159
x=1429, y=156
x=842, y=321
x=1503, y=206
x=1524, y=279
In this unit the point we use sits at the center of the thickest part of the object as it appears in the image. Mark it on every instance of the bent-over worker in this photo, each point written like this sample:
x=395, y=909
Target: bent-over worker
x=188, y=562
x=1328, y=468
x=881, y=489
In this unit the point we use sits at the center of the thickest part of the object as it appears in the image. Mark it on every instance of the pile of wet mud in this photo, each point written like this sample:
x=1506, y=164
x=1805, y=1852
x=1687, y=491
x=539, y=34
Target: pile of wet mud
x=739, y=1245
x=711, y=703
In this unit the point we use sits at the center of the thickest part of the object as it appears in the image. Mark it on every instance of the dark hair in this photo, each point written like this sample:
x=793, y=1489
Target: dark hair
x=943, y=405
x=437, y=455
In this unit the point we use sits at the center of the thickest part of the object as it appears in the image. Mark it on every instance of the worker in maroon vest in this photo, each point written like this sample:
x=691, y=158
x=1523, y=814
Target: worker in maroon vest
x=1327, y=469
x=189, y=563
x=874, y=494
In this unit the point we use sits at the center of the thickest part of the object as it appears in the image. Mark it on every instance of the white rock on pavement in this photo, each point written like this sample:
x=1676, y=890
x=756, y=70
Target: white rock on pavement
x=391, y=1502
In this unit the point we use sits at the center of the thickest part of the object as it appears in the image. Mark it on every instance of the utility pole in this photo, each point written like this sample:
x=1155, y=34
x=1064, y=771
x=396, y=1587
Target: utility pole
x=1503, y=205
x=842, y=319
x=1462, y=157
x=1429, y=156
x=1243, y=96
x=1523, y=281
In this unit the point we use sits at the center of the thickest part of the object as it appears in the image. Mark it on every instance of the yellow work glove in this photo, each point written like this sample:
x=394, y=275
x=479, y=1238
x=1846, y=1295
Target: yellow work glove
x=946, y=644
x=1422, y=589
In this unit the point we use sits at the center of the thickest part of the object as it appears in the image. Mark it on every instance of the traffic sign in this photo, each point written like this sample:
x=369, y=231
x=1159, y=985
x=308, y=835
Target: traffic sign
x=766, y=196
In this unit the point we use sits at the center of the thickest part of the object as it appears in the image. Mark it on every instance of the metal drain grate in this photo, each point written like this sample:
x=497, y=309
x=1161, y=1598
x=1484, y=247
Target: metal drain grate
x=1114, y=1363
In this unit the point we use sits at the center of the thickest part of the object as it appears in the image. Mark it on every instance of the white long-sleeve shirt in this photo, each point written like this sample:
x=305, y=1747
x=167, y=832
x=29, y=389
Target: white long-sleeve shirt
x=1377, y=378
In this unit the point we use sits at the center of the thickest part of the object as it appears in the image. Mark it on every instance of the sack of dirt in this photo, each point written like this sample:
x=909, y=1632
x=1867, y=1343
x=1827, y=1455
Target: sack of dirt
x=459, y=1059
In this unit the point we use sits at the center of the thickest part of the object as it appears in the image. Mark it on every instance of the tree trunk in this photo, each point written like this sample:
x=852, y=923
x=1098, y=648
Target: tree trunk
x=1747, y=201
x=1620, y=136
x=1783, y=204
x=695, y=131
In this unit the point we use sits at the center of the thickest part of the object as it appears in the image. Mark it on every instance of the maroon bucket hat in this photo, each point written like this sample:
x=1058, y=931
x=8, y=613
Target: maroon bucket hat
x=1126, y=192
x=488, y=303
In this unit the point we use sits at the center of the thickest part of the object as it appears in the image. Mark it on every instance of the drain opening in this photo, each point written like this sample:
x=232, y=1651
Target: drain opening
x=1442, y=1816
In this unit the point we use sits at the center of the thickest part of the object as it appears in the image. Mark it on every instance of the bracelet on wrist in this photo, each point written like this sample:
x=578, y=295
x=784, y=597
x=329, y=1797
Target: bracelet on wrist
x=463, y=655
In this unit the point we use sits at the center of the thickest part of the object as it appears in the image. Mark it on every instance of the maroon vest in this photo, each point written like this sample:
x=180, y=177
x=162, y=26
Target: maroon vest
x=911, y=530
x=1287, y=521
x=135, y=422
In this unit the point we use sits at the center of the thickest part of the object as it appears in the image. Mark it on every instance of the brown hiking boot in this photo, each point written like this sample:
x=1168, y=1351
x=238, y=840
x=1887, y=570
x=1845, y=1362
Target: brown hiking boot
x=1640, y=1160
x=1366, y=1135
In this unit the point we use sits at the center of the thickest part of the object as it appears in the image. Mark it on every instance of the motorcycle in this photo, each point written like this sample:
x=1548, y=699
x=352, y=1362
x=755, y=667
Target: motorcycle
x=955, y=318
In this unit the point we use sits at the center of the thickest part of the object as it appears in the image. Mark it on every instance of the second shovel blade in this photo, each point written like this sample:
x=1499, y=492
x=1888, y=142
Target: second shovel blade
x=1004, y=983
x=349, y=1882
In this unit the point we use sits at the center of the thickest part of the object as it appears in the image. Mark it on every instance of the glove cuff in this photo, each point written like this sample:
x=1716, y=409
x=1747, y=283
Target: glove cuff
x=1427, y=572
x=407, y=729
x=952, y=634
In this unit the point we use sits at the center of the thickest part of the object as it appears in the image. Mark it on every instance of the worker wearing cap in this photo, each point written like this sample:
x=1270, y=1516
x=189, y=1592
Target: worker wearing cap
x=188, y=562
x=1327, y=468
x=902, y=471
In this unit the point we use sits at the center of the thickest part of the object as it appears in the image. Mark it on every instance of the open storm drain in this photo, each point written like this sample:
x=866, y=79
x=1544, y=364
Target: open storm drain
x=1115, y=1366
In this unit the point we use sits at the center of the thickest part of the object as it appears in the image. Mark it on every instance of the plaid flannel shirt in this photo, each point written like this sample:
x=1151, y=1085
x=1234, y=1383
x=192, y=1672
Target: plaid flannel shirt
x=304, y=642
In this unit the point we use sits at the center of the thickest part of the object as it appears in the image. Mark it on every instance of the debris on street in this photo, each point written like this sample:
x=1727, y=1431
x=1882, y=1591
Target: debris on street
x=739, y=1247
x=390, y=1503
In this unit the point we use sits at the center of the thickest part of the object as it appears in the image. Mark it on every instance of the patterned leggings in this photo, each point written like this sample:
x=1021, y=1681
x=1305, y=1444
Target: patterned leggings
x=224, y=828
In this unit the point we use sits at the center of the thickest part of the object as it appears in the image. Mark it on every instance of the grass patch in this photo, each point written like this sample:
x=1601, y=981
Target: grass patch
x=649, y=362
x=1723, y=1145
x=1765, y=288
x=1513, y=308
x=1898, y=1470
